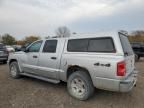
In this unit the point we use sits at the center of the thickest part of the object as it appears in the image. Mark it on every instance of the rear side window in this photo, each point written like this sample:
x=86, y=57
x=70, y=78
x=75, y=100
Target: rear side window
x=91, y=45
x=126, y=45
x=101, y=45
x=50, y=46
x=77, y=45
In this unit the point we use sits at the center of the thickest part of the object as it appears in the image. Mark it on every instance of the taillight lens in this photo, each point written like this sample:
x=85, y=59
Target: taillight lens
x=121, y=68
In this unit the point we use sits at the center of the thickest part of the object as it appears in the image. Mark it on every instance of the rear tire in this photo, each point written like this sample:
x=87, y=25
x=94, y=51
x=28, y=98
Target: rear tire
x=14, y=70
x=80, y=85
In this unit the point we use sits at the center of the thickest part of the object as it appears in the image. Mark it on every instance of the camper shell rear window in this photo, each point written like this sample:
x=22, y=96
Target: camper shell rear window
x=126, y=45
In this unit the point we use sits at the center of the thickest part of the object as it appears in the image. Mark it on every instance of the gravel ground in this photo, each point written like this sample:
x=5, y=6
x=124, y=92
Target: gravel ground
x=32, y=93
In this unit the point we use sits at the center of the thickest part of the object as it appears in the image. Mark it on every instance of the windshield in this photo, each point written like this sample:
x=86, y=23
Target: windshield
x=126, y=45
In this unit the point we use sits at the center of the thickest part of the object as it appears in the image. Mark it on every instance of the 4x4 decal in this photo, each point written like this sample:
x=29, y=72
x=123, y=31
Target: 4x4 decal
x=106, y=65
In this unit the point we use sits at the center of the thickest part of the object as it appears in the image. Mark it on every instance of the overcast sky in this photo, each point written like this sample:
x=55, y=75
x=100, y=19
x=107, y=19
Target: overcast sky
x=41, y=17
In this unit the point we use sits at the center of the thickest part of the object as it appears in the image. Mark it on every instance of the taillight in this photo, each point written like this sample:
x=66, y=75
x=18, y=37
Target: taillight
x=121, y=68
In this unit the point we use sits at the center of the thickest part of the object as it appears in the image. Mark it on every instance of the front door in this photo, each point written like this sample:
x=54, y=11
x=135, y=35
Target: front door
x=32, y=57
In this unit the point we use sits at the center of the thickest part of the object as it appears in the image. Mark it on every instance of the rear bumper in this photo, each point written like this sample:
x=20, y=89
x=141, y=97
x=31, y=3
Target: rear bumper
x=124, y=85
x=127, y=84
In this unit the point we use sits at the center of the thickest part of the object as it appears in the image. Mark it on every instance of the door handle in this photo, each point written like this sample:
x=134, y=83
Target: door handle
x=53, y=58
x=35, y=56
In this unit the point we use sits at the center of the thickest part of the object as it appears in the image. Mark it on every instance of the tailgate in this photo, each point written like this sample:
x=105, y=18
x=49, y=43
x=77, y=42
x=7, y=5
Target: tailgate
x=128, y=54
x=129, y=60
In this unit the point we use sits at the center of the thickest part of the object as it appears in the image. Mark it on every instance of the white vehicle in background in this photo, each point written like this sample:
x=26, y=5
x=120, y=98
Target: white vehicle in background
x=10, y=49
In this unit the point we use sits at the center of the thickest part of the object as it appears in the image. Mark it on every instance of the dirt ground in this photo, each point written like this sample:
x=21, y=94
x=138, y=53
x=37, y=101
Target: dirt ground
x=32, y=93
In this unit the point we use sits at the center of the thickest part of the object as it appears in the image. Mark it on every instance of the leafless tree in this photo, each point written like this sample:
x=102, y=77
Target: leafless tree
x=63, y=32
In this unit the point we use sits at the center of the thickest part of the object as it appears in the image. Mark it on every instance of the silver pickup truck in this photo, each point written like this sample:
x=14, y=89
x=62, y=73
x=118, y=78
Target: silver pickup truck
x=84, y=61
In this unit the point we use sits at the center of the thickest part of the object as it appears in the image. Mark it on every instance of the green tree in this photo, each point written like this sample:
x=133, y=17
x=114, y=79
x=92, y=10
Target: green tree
x=7, y=39
x=0, y=38
x=30, y=39
x=136, y=36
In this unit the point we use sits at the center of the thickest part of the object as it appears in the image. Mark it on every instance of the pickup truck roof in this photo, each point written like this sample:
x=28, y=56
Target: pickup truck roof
x=89, y=35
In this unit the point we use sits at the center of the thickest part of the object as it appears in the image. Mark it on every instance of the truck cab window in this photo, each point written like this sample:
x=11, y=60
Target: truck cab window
x=50, y=46
x=35, y=47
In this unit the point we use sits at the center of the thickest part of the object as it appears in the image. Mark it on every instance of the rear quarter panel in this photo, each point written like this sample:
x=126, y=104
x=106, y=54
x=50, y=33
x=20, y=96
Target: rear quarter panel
x=87, y=61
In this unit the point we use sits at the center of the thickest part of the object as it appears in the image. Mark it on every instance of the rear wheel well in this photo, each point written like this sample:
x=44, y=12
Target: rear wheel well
x=75, y=68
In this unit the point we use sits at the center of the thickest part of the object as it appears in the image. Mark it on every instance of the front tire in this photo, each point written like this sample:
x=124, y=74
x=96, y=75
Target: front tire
x=80, y=85
x=14, y=70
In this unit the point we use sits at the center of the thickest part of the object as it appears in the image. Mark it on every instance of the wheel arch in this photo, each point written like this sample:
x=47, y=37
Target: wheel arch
x=15, y=60
x=12, y=60
x=73, y=68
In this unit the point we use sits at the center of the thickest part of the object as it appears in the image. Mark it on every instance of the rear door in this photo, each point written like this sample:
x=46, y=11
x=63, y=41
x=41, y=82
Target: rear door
x=49, y=60
x=31, y=58
x=128, y=52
